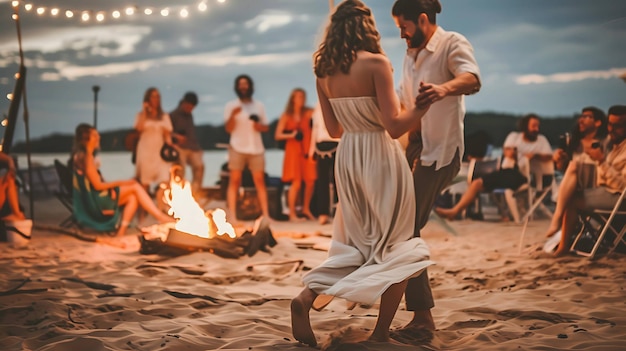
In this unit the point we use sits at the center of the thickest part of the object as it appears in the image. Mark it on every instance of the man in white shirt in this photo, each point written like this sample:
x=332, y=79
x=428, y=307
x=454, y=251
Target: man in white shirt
x=438, y=70
x=245, y=120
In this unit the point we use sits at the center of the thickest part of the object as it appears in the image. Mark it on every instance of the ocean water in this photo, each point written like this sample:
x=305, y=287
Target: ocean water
x=117, y=165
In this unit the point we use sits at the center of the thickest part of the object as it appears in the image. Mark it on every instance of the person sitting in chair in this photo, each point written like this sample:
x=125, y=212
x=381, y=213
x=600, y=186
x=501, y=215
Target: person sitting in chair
x=524, y=147
x=98, y=204
x=611, y=178
x=8, y=190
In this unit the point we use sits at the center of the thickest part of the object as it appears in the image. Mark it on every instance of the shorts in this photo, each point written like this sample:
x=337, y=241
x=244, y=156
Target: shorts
x=507, y=178
x=238, y=161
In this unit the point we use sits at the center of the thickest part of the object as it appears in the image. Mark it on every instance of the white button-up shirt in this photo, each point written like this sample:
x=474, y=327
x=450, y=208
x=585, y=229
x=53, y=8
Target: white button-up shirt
x=447, y=55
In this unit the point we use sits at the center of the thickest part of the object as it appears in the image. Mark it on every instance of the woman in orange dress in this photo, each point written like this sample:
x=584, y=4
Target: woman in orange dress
x=294, y=128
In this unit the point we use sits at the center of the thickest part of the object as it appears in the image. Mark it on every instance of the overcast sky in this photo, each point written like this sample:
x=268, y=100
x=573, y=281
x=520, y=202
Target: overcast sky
x=552, y=57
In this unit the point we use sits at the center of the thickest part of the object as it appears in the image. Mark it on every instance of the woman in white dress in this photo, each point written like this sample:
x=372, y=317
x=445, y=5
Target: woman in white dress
x=373, y=251
x=155, y=128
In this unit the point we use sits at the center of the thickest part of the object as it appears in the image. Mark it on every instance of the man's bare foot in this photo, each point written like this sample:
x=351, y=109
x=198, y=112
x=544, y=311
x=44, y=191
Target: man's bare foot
x=446, y=213
x=422, y=319
x=300, y=323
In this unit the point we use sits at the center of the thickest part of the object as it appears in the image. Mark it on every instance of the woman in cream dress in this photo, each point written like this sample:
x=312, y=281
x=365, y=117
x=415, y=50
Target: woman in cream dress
x=155, y=128
x=373, y=251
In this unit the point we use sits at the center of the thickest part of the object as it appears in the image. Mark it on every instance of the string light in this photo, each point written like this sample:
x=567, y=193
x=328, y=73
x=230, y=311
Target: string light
x=184, y=11
x=15, y=16
x=10, y=96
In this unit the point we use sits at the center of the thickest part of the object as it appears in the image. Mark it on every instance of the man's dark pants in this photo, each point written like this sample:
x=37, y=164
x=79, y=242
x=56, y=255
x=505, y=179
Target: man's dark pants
x=428, y=184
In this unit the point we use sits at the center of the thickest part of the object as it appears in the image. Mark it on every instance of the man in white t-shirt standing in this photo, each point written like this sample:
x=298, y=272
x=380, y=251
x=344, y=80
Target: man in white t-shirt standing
x=245, y=120
x=439, y=68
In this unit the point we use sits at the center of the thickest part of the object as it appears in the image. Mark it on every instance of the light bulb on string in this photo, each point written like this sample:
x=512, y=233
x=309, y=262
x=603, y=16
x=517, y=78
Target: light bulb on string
x=54, y=12
x=17, y=75
x=85, y=16
x=165, y=12
x=69, y=14
x=147, y=11
x=15, y=3
x=4, y=122
x=184, y=13
x=100, y=17
x=28, y=7
x=130, y=11
x=10, y=96
x=116, y=14
x=15, y=16
x=202, y=6
x=221, y=1
x=41, y=10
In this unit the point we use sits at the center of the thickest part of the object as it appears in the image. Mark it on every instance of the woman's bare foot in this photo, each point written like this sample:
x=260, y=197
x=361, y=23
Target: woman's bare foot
x=294, y=218
x=446, y=213
x=323, y=219
x=560, y=252
x=552, y=230
x=308, y=215
x=300, y=323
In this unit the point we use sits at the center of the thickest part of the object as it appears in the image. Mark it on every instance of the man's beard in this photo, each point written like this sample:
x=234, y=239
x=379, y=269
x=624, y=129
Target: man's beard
x=417, y=39
x=532, y=136
x=244, y=94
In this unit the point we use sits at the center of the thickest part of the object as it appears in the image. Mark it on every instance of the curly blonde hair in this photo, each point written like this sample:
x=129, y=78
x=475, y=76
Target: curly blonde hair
x=351, y=29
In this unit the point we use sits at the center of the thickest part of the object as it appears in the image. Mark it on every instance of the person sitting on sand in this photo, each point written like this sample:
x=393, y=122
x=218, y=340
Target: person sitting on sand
x=611, y=180
x=528, y=145
x=99, y=204
x=8, y=190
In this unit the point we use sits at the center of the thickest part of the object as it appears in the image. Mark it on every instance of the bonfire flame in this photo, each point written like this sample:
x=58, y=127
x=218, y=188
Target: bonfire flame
x=191, y=218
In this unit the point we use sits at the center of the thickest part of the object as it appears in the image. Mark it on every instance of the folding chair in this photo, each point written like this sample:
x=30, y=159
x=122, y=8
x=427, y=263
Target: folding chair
x=64, y=193
x=540, y=185
x=610, y=223
x=477, y=169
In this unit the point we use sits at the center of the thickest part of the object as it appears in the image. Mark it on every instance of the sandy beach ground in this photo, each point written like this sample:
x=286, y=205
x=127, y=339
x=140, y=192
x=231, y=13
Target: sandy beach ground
x=61, y=293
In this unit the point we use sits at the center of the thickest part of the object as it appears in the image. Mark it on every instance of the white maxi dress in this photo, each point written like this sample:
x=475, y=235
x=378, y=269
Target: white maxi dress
x=372, y=243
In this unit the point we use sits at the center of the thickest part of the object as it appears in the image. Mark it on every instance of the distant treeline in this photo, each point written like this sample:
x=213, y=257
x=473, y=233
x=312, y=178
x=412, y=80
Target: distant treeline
x=496, y=125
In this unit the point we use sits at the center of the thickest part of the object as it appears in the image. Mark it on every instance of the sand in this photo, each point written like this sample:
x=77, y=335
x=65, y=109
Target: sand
x=61, y=293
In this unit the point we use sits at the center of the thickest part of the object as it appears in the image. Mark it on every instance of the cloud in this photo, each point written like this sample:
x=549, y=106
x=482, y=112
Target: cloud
x=110, y=41
x=228, y=56
x=568, y=77
x=272, y=19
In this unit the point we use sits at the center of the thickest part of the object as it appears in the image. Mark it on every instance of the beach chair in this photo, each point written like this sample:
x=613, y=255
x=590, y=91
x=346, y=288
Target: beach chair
x=64, y=192
x=476, y=169
x=602, y=231
x=540, y=179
